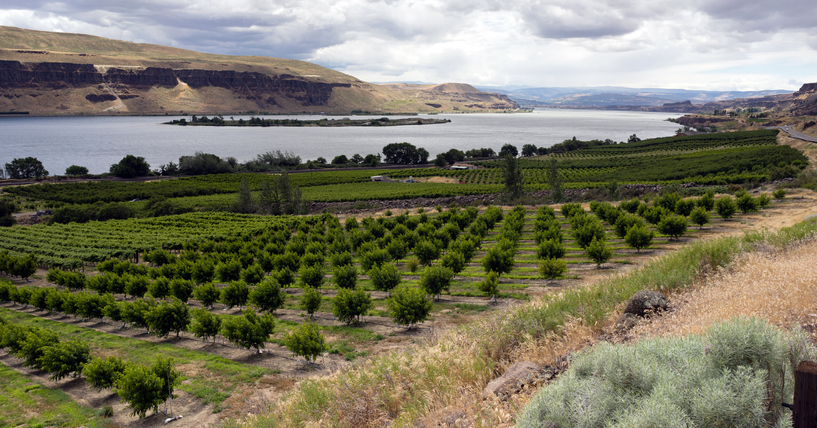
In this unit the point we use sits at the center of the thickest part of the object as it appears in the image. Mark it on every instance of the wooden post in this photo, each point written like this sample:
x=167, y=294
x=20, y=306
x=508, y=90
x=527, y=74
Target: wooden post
x=805, y=395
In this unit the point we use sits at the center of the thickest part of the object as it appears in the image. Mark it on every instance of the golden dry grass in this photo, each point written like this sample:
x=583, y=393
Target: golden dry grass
x=778, y=285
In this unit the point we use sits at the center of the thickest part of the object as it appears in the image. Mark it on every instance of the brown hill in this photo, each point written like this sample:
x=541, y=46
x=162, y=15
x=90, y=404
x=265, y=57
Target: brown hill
x=59, y=73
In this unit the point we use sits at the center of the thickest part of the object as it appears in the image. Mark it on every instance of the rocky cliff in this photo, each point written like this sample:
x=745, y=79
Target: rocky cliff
x=109, y=84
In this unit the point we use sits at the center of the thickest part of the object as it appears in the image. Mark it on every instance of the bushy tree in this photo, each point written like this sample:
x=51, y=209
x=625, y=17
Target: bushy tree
x=167, y=317
x=726, y=207
x=514, y=178
x=454, y=260
x=436, y=279
x=552, y=268
x=625, y=223
x=699, y=216
x=305, y=341
x=205, y=325
x=268, y=296
x=102, y=373
x=145, y=388
x=586, y=233
x=404, y=154
x=746, y=203
x=310, y=300
x=639, y=237
x=248, y=331
x=684, y=207
x=385, y=278
x=409, y=306
x=673, y=225
x=498, y=259
x=65, y=358
x=349, y=305
x=76, y=170
x=235, y=294
x=131, y=166
x=490, y=285
x=550, y=249
x=34, y=346
x=207, y=294
x=508, y=149
x=135, y=313
x=25, y=168
x=229, y=270
x=312, y=276
x=426, y=252
x=598, y=251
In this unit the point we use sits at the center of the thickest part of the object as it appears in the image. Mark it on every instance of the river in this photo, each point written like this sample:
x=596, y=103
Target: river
x=98, y=142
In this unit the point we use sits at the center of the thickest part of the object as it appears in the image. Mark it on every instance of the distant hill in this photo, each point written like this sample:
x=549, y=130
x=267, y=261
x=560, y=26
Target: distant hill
x=619, y=97
x=60, y=73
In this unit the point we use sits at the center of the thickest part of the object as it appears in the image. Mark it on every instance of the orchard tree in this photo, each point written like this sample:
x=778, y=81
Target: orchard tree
x=349, y=305
x=598, y=252
x=409, y=306
x=639, y=237
x=102, y=373
x=385, y=278
x=454, y=260
x=490, y=285
x=310, y=300
x=182, y=289
x=699, y=216
x=552, y=268
x=673, y=225
x=498, y=260
x=235, y=294
x=550, y=249
x=65, y=358
x=436, y=279
x=250, y=330
x=726, y=207
x=305, y=341
x=167, y=317
x=205, y=325
x=207, y=294
x=268, y=296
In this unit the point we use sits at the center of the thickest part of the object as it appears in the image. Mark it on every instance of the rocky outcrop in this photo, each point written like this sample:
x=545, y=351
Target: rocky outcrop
x=53, y=75
x=645, y=302
x=520, y=376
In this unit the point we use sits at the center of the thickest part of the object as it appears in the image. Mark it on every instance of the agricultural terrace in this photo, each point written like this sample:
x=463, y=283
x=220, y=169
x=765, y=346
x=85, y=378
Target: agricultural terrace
x=150, y=262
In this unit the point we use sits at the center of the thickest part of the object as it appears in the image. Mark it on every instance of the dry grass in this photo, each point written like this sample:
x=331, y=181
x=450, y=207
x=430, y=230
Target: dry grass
x=779, y=285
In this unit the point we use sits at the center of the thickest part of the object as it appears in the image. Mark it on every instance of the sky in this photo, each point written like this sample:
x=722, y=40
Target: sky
x=682, y=44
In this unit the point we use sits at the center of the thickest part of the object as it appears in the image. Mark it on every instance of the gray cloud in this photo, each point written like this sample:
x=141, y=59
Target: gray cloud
x=534, y=42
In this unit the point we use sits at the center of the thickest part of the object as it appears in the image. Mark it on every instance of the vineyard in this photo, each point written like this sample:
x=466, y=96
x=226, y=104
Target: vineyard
x=710, y=159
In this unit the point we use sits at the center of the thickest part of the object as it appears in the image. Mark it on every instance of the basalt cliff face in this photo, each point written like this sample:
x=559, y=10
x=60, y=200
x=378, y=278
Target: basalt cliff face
x=59, y=73
x=115, y=88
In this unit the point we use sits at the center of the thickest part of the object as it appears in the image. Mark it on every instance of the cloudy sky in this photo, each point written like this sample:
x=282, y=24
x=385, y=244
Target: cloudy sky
x=689, y=44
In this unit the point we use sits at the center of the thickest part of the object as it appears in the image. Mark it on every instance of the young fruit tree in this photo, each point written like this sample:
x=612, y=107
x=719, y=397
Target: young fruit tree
x=205, y=324
x=490, y=285
x=305, y=341
x=551, y=269
x=639, y=237
x=268, y=296
x=310, y=301
x=102, y=373
x=699, y=216
x=673, y=225
x=385, y=277
x=65, y=358
x=248, y=331
x=598, y=252
x=436, y=279
x=409, y=306
x=349, y=305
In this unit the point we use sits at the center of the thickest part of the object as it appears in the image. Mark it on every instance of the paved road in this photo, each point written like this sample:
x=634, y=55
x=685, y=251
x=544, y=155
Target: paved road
x=798, y=135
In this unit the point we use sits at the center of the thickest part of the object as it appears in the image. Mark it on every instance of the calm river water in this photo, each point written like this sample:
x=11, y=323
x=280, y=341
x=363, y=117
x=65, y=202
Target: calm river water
x=98, y=142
